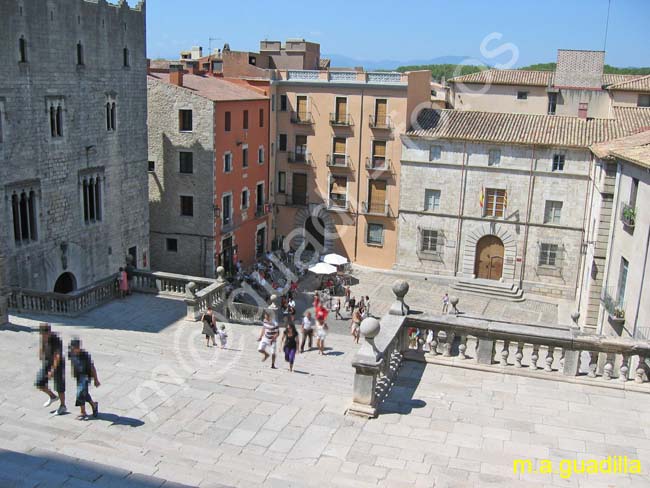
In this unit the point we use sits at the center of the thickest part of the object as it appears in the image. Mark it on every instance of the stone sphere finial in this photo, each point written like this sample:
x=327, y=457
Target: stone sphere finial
x=221, y=273
x=454, y=301
x=370, y=327
x=400, y=288
x=190, y=289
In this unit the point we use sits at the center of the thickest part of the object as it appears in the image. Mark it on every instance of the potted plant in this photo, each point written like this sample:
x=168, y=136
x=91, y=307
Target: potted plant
x=629, y=215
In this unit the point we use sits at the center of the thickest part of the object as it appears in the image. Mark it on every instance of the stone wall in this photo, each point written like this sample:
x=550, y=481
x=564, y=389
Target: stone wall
x=53, y=167
x=194, y=235
x=461, y=174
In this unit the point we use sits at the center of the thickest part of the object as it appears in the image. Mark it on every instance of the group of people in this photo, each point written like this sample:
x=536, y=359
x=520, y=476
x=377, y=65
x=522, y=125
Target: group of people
x=53, y=368
x=290, y=340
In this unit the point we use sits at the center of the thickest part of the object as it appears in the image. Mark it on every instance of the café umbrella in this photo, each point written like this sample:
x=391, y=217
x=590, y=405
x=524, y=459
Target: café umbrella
x=335, y=259
x=323, y=269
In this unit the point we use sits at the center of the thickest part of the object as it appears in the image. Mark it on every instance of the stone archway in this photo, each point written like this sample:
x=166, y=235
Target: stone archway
x=65, y=283
x=489, y=258
x=314, y=233
x=499, y=232
x=319, y=223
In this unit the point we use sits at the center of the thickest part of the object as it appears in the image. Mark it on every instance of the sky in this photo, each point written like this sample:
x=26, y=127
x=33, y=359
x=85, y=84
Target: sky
x=514, y=33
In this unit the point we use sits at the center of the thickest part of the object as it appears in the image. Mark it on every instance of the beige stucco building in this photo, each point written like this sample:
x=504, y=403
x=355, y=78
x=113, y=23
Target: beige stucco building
x=337, y=158
x=613, y=298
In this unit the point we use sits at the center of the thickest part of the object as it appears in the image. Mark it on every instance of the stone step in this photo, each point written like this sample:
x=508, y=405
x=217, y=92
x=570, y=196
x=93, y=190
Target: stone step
x=489, y=288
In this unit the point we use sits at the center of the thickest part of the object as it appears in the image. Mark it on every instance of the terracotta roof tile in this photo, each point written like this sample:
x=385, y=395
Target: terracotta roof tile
x=636, y=84
x=212, y=88
x=545, y=130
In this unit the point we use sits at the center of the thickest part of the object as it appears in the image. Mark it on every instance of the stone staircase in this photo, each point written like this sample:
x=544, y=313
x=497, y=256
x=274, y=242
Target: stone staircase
x=490, y=288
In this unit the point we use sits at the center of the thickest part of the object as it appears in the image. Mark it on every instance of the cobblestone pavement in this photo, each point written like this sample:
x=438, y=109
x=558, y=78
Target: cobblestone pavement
x=175, y=411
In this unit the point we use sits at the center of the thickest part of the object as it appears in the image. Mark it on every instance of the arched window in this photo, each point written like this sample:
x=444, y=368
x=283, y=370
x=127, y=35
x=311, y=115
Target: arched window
x=113, y=115
x=80, y=54
x=53, y=120
x=108, y=116
x=125, y=56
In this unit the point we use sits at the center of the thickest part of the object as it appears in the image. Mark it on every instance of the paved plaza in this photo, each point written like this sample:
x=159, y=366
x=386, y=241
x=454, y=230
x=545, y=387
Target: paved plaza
x=174, y=412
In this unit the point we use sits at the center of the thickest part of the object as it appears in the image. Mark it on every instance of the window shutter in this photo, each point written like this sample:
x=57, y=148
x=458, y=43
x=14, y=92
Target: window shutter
x=339, y=145
x=379, y=149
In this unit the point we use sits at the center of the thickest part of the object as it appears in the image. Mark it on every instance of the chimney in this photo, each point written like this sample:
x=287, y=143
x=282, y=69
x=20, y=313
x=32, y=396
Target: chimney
x=583, y=109
x=176, y=74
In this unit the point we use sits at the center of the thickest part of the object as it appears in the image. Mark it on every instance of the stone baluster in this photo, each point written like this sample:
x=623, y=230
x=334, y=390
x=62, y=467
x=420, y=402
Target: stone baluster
x=593, y=364
x=609, y=367
x=534, y=357
x=434, y=344
x=505, y=352
x=625, y=367
x=519, y=355
x=448, y=343
x=462, y=347
x=640, y=373
x=549, y=359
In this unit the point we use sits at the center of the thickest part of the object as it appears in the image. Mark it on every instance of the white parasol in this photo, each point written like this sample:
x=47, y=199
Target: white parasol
x=323, y=269
x=335, y=259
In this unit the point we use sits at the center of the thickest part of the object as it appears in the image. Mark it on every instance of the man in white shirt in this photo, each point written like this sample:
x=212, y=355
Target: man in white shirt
x=268, y=339
x=307, y=331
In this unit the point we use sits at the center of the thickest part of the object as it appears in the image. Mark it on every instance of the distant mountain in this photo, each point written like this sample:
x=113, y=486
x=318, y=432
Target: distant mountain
x=607, y=69
x=341, y=61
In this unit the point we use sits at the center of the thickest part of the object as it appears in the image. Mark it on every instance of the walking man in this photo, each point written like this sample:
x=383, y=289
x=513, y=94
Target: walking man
x=353, y=304
x=52, y=367
x=83, y=370
x=307, y=331
x=337, y=309
x=268, y=339
x=445, y=303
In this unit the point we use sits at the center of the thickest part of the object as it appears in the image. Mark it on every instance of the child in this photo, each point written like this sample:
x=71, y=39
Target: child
x=83, y=370
x=223, y=336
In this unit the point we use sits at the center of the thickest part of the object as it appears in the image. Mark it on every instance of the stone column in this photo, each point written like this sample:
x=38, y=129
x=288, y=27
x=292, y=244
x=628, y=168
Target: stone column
x=4, y=316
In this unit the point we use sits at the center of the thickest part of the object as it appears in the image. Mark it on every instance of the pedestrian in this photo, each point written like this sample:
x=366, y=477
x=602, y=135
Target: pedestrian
x=307, y=331
x=52, y=367
x=353, y=303
x=321, y=329
x=83, y=370
x=123, y=283
x=362, y=304
x=355, y=326
x=445, y=303
x=337, y=309
x=429, y=340
x=367, y=306
x=347, y=298
x=130, y=269
x=223, y=336
x=291, y=308
x=268, y=339
x=290, y=344
x=209, y=327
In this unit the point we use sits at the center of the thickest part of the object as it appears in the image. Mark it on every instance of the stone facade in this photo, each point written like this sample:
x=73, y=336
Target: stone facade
x=63, y=62
x=461, y=174
x=194, y=234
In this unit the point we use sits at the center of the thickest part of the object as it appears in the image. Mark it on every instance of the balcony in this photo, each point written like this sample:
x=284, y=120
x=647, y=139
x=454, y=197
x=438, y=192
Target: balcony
x=615, y=307
x=379, y=122
x=338, y=161
x=379, y=164
x=338, y=204
x=340, y=120
x=230, y=223
x=262, y=210
x=299, y=157
x=628, y=216
x=301, y=118
x=299, y=199
x=376, y=208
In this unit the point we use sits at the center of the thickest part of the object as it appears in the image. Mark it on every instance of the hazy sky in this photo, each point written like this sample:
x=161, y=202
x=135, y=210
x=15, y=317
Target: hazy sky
x=407, y=29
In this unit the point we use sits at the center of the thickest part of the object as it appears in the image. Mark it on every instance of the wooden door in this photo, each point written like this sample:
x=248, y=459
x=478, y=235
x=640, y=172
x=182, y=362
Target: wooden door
x=489, y=258
x=380, y=112
x=341, y=109
x=299, y=189
x=378, y=154
x=377, y=196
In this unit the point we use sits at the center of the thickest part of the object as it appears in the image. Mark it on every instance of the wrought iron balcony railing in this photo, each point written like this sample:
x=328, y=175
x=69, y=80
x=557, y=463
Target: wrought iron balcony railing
x=380, y=122
x=378, y=164
x=344, y=120
x=303, y=118
x=338, y=161
x=299, y=157
x=375, y=208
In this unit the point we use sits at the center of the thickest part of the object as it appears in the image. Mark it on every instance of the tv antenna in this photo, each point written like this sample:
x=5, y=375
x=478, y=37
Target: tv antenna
x=210, y=44
x=609, y=6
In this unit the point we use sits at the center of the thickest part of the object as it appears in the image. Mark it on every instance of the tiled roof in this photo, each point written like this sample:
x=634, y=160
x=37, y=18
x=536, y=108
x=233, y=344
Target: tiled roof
x=212, y=88
x=545, y=130
x=637, y=84
x=635, y=148
x=529, y=77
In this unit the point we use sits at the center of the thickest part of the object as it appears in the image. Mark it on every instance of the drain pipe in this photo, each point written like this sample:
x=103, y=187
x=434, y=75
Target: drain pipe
x=461, y=206
x=638, y=304
x=586, y=228
x=356, y=213
x=529, y=204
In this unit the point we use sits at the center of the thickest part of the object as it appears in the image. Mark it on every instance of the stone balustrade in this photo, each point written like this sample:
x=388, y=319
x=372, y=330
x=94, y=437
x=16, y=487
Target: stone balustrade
x=549, y=352
x=244, y=313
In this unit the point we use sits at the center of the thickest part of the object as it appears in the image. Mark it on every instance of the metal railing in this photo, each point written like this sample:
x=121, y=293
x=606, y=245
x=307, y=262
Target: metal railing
x=338, y=204
x=301, y=118
x=337, y=119
x=375, y=208
x=378, y=122
x=299, y=157
x=379, y=164
x=614, y=307
x=338, y=161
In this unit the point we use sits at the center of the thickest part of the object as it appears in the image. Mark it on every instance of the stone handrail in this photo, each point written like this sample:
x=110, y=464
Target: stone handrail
x=71, y=304
x=559, y=353
x=244, y=313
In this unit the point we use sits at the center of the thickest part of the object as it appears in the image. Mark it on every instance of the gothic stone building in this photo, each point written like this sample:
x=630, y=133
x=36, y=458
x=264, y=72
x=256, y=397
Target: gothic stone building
x=73, y=141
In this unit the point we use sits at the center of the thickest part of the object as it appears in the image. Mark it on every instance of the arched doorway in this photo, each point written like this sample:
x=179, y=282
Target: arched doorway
x=314, y=233
x=489, y=258
x=65, y=283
